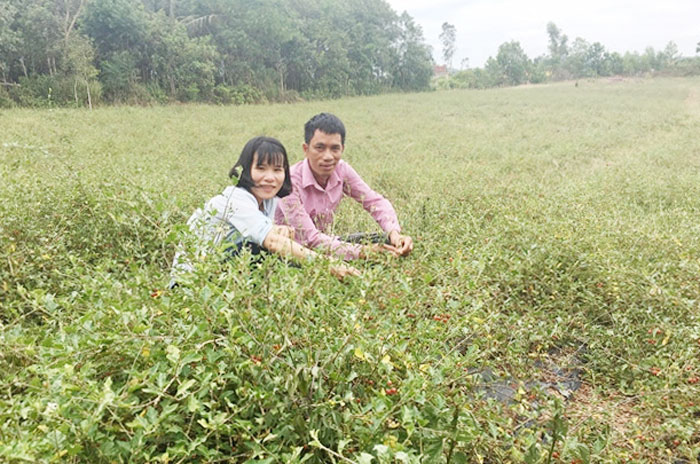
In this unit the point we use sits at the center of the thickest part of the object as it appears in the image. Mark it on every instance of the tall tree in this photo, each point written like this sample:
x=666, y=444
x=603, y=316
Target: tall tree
x=670, y=55
x=414, y=65
x=9, y=38
x=78, y=65
x=70, y=11
x=558, y=47
x=595, y=60
x=558, y=51
x=576, y=64
x=513, y=62
x=448, y=37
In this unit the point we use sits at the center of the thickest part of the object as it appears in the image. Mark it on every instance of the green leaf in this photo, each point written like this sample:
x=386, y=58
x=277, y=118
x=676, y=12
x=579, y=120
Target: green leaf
x=433, y=450
x=583, y=453
x=173, y=353
x=182, y=389
x=532, y=455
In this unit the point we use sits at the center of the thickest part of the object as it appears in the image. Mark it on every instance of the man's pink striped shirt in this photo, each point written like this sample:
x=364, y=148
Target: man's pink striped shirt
x=310, y=208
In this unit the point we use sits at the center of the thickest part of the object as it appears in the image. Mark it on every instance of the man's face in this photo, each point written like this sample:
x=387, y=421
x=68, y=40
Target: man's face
x=323, y=152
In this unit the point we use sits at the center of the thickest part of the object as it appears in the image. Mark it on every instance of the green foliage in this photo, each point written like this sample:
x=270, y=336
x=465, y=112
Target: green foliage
x=532, y=246
x=185, y=66
x=120, y=76
x=158, y=51
x=414, y=68
x=47, y=91
x=6, y=100
x=8, y=36
x=511, y=65
x=116, y=26
x=240, y=95
x=578, y=60
x=687, y=67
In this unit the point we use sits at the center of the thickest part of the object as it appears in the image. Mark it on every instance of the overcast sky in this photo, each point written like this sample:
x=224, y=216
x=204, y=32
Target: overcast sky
x=620, y=25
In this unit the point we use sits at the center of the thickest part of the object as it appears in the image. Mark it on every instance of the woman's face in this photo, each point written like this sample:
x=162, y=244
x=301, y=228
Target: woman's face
x=268, y=179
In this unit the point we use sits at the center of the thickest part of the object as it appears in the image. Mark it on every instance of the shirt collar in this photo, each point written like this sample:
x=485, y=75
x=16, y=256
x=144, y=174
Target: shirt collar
x=308, y=179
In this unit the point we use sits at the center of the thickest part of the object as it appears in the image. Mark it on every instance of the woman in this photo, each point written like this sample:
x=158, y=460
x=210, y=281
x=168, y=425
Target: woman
x=242, y=216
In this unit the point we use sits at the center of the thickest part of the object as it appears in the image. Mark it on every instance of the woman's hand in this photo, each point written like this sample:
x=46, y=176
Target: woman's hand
x=340, y=271
x=284, y=231
x=277, y=241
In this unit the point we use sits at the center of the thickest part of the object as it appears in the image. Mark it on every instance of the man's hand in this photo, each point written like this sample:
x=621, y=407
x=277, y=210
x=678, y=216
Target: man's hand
x=369, y=250
x=341, y=271
x=402, y=244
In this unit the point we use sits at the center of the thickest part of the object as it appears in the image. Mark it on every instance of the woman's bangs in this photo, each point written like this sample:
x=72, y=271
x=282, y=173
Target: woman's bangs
x=270, y=155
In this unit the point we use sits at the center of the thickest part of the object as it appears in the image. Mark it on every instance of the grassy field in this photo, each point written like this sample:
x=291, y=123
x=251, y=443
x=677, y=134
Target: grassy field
x=549, y=312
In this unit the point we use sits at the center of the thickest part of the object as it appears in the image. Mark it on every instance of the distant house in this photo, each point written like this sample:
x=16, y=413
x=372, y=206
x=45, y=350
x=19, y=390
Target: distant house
x=440, y=71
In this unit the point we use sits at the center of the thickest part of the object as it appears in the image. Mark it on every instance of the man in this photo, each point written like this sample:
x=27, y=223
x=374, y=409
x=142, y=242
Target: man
x=320, y=181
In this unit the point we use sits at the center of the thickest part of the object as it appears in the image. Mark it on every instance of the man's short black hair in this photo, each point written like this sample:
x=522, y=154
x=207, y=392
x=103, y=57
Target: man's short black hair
x=325, y=122
x=270, y=151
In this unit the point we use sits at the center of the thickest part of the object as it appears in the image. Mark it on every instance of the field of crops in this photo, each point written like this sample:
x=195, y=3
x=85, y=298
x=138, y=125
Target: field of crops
x=550, y=311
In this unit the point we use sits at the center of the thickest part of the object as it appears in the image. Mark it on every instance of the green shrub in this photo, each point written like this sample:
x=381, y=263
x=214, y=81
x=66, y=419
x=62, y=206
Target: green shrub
x=540, y=255
x=6, y=100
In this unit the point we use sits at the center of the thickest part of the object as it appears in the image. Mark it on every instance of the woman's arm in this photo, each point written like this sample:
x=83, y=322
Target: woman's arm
x=277, y=241
x=291, y=211
x=254, y=225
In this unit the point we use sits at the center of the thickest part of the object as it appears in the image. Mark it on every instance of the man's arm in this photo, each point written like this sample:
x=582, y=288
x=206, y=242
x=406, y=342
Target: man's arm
x=291, y=211
x=379, y=207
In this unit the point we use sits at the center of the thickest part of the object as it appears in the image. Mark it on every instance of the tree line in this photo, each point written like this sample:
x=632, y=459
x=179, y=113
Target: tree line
x=565, y=60
x=81, y=52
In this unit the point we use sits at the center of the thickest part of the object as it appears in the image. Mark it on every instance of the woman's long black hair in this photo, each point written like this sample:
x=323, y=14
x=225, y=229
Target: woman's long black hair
x=269, y=151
